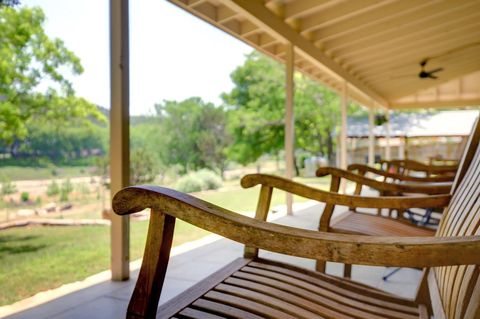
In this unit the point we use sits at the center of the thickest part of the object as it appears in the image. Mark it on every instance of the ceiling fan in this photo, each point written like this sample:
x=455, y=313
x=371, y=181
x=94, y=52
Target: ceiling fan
x=428, y=74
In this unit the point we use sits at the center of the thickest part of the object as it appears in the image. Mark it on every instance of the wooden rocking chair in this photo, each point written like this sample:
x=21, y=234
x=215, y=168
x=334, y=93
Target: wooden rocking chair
x=252, y=287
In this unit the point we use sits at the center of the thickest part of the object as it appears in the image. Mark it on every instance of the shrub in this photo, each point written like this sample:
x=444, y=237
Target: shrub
x=24, y=196
x=65, y=190
x=189, y=183
x=8, y=187
x=209, y=179
x=53, y=189
x=67, y=186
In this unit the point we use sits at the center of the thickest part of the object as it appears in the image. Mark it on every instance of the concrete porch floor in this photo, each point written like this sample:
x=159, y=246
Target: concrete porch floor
x=107, y=299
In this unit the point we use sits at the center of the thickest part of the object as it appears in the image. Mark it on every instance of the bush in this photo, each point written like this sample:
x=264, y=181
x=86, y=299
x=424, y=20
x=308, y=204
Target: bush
x=65, y=190
x=8, y=187
x=209, y=179
x=199, y=181
x=24, y=196
x=53, y=189
x=189, y=183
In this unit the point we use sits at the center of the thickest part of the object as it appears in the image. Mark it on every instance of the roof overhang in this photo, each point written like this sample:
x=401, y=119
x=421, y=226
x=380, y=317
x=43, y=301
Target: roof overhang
x=373, y=45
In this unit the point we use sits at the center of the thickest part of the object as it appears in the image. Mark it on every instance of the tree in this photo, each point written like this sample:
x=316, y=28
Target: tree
x=257, y=111
x=194, y=134
x=30, y=60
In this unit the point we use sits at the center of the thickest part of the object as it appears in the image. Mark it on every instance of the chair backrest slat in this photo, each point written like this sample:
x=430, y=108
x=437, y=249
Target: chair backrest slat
x=462, y=218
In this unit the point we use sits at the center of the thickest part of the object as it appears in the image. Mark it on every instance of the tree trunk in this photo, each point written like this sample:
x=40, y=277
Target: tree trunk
x=297, y=171
x=330, y=149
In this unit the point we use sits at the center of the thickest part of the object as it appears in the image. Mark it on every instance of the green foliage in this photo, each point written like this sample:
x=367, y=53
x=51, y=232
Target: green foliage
x=199, y=181
x=143, y=167
x=65, y=189
x=53, y=189
x=189, y=183
x=9, y=3
x=57, y=143
x=24, y=196
x=7, y=187
x=195, y=134
x=28, y=57
x=256, y=109
x=209, y=179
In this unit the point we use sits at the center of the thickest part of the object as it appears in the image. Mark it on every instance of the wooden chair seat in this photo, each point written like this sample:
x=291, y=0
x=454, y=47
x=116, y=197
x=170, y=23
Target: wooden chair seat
x=360, y=223
x=258, y=288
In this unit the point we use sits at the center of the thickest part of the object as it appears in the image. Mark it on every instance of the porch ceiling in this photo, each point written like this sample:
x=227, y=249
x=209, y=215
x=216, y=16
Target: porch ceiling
x=375, y=45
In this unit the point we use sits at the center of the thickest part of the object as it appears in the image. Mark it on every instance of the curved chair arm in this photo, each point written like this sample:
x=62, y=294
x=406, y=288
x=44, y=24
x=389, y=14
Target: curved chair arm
x=394, y=202
x=430, y=189
x=419, y=166
x=351, y=249
x=365, y=168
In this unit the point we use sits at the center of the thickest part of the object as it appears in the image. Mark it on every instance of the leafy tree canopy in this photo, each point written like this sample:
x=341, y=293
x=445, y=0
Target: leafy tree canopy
x=195, y=135
x=257, y=109
x=29, y=59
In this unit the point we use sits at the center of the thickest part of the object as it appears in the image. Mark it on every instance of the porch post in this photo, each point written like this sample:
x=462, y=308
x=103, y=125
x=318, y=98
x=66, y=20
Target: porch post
x=371, y=137
x=289, y=122
x=119, y=133
x=343, y=131
x=387, y=137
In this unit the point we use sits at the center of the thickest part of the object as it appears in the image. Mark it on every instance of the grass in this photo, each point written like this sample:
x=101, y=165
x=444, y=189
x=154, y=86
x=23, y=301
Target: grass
x=34, y=259
x=19, y=173
x=241, y=200
x=39, y=258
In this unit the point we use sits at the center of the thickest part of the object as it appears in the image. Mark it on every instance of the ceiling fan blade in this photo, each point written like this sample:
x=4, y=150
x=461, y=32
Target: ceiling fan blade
x=431, y=76
x=401, y=76
x=435, y=70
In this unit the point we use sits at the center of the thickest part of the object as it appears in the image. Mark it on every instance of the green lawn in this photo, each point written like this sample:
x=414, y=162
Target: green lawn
x=19, y=173
x=34, y=259
x=39, y=258
x=241, y=200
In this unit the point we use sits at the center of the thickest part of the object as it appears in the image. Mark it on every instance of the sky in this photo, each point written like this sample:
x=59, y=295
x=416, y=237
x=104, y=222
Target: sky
x=173, y=55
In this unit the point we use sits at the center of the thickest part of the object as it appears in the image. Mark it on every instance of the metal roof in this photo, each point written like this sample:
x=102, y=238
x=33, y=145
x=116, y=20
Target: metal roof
x=445, y=123
x=374, y=45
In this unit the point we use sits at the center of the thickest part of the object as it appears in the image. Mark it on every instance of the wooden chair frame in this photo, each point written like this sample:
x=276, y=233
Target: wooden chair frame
x=167, y=205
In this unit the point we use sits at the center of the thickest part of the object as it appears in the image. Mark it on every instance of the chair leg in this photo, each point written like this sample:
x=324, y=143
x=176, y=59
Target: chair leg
x=321, y=265
x=347, y=270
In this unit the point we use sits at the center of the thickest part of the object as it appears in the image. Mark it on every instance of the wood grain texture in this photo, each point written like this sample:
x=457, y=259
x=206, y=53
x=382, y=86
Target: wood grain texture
x=146, y=294
x=413, y=188
x=368, y=250
x=400, y=202
x=400, y=177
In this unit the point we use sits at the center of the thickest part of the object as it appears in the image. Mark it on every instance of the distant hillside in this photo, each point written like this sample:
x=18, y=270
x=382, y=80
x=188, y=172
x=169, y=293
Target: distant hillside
x=134, y=119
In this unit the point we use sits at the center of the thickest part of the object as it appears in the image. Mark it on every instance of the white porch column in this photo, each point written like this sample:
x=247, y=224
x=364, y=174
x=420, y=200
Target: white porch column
x=371, y=136
x=289, y=122
x=387, y=137
x=343, y=131
x=119, y=133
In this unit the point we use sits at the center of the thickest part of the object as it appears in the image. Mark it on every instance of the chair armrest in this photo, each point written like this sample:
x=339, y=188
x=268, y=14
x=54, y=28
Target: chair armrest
x=430, y=189
x=350, y=249
x=419, y=166
x=398, y=202
x=396, y=176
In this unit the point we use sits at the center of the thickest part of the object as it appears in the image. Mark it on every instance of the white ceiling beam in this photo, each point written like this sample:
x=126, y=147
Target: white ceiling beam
x=405, y=62
x=339, y=12
x=296, y=9
x=419, y=23
x=225, y=14
x=370, y=20
x=397, y=91
x=435, y=104
x=262, y=16
x=452, y=64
